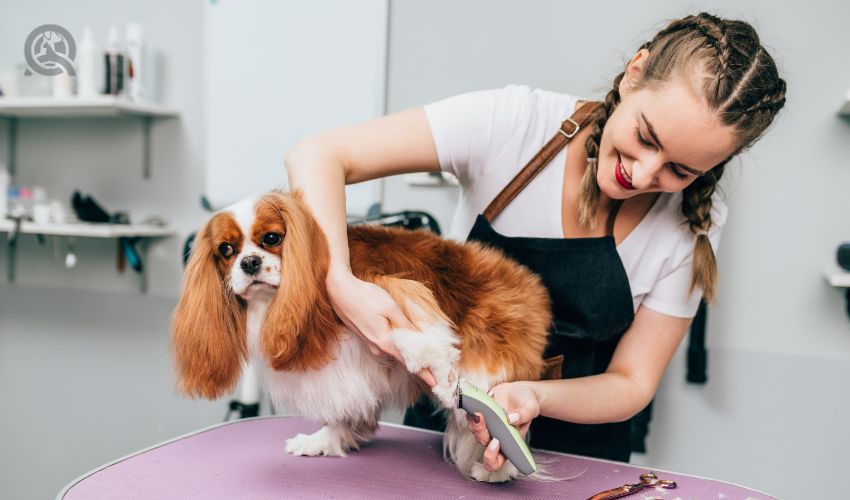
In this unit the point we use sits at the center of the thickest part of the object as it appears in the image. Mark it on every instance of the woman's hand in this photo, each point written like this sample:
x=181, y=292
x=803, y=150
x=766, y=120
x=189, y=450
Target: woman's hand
x=370, y=311
x=522, y=405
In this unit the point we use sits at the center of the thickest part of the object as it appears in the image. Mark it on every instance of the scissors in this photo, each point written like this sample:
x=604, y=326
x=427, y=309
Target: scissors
x=648, y=480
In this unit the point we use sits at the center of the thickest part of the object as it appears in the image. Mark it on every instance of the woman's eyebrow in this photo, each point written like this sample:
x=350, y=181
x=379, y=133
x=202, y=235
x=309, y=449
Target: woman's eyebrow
x=660, y=146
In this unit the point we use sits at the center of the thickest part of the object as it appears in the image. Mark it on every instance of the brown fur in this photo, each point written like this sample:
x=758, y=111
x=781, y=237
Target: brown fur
x=208, y=325
x=500, y=310
x=300, y=326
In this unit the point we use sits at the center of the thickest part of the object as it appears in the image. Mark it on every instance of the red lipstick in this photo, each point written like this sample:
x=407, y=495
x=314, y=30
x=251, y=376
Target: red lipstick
x=621, y=175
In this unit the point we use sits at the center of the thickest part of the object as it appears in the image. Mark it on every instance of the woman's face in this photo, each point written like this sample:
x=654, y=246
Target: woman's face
x=659, y=138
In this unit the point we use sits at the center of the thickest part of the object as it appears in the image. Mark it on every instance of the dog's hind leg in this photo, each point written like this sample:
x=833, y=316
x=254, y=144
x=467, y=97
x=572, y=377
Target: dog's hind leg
x=434, y=344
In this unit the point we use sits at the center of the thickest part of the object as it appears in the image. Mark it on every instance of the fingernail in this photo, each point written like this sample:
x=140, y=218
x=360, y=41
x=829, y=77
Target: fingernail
x=476, y=419
x=513, y=418
x=493, y=444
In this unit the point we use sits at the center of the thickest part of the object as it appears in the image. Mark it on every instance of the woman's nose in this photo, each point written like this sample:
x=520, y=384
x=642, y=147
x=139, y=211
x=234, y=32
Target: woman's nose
x=645, y=172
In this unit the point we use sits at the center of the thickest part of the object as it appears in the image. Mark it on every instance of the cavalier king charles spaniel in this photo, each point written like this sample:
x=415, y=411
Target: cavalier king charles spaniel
x=254, y=289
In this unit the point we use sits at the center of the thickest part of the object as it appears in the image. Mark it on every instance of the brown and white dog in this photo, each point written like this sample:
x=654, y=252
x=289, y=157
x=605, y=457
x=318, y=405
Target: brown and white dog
x=255, y=288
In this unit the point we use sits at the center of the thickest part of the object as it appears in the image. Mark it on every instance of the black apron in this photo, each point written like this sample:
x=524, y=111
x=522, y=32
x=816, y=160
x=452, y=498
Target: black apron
x=591, y=304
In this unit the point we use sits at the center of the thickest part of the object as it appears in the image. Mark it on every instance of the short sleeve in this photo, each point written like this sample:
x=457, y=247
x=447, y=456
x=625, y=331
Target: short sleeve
x=470, y=129
x=670, y=294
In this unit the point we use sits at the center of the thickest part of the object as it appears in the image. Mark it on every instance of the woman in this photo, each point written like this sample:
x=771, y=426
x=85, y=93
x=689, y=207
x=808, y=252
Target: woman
x=621, y=224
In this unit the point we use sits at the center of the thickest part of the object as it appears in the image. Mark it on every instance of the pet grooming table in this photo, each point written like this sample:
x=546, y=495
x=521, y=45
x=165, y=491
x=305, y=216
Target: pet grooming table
x=246, y=459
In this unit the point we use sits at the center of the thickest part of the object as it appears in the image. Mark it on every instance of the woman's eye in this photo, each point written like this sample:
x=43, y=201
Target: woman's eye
x=271, y=239
x=227, y=249
x=641, y=139
x=677, y=173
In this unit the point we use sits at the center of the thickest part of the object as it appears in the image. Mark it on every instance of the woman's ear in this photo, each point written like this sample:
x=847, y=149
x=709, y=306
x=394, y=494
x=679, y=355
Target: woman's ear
x=300, y=327
x=207, y=327
x=634, y=71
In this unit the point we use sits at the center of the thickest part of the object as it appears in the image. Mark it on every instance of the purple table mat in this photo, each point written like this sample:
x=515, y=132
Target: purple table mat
x=246, y=459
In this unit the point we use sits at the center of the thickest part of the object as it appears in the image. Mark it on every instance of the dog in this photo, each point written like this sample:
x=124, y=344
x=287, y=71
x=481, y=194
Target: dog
x=254, y=288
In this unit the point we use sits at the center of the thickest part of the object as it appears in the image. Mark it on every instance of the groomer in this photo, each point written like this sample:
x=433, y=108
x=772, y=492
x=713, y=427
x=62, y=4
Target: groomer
x=612, y=203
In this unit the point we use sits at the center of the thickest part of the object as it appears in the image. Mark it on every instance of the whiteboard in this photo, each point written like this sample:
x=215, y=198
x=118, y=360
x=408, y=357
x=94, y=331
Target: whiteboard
x=279, y=71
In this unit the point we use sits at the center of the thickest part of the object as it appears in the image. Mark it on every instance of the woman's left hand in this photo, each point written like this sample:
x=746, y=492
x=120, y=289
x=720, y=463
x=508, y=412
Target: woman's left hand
x=522, y=405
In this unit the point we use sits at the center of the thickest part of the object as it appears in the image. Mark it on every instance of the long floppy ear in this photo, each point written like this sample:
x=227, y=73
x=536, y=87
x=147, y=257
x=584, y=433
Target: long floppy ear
x=207, y=327
x=300, y=329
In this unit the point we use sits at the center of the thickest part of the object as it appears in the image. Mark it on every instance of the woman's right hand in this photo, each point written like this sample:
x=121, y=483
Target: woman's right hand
x=371, y=312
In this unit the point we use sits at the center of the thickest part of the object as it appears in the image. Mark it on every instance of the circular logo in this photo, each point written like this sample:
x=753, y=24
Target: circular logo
x=50, y=50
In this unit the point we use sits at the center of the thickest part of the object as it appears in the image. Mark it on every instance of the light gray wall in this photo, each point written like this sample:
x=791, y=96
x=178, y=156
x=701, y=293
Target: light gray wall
x=84, y=366
x=84, y=370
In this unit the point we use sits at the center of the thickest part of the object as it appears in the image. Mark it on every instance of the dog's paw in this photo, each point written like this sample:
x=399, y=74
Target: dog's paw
x=317, y=444
x=506, y=472
x=447, y=384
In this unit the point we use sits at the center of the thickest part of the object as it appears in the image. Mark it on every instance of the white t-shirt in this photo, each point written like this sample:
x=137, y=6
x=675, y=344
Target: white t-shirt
x=484, y=138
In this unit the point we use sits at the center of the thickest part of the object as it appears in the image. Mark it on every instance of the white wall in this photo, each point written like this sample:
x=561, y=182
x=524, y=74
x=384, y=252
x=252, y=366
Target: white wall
x=773, y=410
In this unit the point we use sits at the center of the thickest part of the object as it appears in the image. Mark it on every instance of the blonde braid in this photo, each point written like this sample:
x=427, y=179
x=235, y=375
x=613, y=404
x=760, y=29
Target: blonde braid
x=588, y=199
x=696, y=207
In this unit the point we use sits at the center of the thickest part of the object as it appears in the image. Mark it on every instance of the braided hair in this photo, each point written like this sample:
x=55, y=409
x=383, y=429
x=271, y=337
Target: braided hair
x=739, y=82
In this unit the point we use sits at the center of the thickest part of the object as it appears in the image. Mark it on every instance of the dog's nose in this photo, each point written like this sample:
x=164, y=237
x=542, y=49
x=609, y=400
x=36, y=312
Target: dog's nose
x=251, y=264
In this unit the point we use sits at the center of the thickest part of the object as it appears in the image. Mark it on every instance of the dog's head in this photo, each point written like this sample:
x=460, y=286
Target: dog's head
x=261, y=249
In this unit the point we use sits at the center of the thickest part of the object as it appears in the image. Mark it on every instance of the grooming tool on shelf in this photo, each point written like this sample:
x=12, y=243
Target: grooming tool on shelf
x=512, y=445
x=648, y=480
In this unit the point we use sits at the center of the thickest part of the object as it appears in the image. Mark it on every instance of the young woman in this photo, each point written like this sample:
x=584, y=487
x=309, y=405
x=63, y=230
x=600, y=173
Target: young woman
x=621, y=224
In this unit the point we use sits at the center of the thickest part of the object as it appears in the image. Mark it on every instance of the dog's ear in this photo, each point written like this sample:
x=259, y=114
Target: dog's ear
x=300, y=327
x=208, y=326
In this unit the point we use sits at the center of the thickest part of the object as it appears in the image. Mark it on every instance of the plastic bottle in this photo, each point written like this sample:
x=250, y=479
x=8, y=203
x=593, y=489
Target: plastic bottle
x=114, y=59
x=87, y=66
x=135, y=62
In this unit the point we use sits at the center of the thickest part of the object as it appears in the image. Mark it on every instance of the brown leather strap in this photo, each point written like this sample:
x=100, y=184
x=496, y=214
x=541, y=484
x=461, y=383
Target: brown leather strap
x=612, y=215
x=569, y=128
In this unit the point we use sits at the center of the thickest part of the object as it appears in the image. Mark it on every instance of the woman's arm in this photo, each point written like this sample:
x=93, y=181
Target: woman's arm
x=321, y=166
x=630, y=381
x=623, y=390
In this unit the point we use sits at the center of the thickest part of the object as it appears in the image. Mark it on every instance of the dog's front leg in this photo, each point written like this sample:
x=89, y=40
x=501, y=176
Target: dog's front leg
x=332, y=440
x=435, y=347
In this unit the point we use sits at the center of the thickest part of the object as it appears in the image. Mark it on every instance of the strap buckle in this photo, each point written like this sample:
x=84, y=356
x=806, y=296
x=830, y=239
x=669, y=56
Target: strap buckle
x=569, y=135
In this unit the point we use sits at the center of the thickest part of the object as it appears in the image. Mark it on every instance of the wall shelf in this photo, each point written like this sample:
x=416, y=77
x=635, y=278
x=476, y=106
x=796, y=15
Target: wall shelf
x=431, y=179
x=836, y=276
x=128, y=235
x=105, y=106
x=72, y=107
x=839, y=278
x=90, y=230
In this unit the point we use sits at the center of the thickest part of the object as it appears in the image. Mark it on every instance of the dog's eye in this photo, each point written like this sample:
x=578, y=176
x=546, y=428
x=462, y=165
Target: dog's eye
x=226, y=249
x=271, y=239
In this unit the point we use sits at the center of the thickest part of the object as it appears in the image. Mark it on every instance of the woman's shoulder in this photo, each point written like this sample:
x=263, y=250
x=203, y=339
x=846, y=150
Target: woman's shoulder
x=541, y=99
